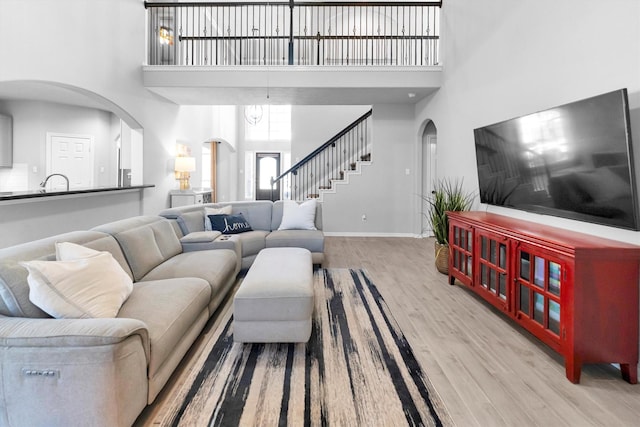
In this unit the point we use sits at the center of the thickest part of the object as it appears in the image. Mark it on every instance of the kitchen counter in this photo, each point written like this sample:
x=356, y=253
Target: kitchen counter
x=11, y=197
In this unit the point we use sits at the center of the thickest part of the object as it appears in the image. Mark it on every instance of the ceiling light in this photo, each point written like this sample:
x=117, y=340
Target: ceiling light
x=253, y=114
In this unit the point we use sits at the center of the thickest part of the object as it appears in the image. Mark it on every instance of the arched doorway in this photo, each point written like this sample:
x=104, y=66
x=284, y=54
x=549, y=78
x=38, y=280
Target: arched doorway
x=106, y=141
x=429, y=171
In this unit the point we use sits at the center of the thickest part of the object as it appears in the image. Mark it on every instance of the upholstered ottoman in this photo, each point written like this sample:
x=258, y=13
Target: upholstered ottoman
x=275, y=300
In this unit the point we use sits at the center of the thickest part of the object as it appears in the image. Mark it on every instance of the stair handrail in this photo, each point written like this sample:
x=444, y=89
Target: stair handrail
x=321, y=148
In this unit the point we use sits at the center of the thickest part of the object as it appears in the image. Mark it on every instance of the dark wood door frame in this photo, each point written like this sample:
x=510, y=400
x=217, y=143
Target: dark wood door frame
x=273, y=193
x=214, y=171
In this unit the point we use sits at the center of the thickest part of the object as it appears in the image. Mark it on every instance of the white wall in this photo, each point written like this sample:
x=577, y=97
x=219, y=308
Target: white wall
x=98, y=47
x=313, y=125
x=504, y=59
x=227, y=173
x=384, y=191
x=196, y=128
x=225, y=123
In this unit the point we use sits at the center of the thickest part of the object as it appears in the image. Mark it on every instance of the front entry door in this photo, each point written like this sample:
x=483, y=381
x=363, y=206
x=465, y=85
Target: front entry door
x=267, y=167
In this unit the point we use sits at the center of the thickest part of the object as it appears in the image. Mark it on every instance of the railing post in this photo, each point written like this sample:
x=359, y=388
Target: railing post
x=291, y=5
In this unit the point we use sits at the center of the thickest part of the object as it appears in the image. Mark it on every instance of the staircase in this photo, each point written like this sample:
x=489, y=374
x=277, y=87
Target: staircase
x=329, y=165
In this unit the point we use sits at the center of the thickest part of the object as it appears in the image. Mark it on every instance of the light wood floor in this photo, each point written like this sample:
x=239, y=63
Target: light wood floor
x=487, y=370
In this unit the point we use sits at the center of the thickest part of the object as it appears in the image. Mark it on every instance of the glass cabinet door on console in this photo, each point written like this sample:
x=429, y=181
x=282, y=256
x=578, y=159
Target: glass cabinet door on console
x=538, y=289
x=461, y=247
x=493, y=263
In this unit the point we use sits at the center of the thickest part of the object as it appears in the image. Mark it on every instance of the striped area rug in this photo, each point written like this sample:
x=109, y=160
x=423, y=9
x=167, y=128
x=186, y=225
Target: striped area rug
x=356, y=370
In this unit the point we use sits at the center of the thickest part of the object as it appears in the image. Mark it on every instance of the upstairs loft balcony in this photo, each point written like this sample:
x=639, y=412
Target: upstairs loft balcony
x=293, y=52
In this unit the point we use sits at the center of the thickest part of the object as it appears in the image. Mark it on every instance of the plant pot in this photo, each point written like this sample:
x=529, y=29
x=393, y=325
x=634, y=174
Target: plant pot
x=442, y=258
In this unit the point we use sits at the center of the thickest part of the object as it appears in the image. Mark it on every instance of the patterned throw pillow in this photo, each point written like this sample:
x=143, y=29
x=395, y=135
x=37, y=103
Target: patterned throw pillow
x=229, y=224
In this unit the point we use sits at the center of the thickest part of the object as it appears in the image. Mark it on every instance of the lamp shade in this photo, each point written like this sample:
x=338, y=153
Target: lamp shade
x=185, y=164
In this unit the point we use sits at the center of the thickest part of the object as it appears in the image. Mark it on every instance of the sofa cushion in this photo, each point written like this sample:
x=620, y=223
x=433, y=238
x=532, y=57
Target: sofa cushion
x=94, y=286
x=14, y=292
x=168, y=308
x=191, y=221
x=257, y=213
x=14, y=289
x=146, y=241
x=252, y=242
x=313, y=240
x=200, y=237
x=215, y=266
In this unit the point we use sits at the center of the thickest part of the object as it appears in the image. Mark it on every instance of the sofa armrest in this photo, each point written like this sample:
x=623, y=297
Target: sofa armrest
x=201, y=241
x=29, y=332
x=200, y=237
x=231, y=242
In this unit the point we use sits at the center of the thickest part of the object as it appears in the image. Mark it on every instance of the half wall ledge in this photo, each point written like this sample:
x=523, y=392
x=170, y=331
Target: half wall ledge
x=13, y=197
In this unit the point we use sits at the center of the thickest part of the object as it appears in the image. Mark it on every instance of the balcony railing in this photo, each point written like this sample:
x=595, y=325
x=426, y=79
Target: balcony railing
x=391, y=33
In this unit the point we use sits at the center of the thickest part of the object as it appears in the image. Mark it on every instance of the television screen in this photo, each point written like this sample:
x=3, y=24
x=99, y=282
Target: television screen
x=573, y=161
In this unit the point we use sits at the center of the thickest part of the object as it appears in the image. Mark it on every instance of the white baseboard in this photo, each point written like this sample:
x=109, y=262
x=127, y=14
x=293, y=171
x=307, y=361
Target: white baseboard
x=368, y=234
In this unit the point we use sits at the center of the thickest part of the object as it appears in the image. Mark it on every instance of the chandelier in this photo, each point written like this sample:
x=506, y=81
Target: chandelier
x=253, y=114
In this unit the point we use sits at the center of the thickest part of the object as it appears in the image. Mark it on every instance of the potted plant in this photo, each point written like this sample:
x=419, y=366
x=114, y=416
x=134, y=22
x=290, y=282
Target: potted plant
x=448, y=195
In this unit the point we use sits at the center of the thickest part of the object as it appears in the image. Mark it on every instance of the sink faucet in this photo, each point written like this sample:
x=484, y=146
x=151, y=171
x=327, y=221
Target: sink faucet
x=44, y=183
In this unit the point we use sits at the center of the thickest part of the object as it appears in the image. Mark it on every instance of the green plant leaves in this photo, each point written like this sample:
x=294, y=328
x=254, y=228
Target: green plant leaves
x=448, y=195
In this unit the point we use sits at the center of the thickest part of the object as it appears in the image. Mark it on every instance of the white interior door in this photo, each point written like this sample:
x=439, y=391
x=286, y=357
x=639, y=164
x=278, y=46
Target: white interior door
x=70, y=155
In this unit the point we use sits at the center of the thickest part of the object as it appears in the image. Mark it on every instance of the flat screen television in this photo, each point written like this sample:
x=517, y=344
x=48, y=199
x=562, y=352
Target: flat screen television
x=573, y=161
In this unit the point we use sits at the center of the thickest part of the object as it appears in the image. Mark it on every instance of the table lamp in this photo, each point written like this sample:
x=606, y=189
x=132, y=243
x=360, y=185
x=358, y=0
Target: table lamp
x=183, y=166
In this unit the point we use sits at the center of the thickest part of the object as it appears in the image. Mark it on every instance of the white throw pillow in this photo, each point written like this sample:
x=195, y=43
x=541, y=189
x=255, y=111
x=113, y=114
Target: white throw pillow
x=225, y=210
x=91, y=286
x=298, y=216
x=67, y=251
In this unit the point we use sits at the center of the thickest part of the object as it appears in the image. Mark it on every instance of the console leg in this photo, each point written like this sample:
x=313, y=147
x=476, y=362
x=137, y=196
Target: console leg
x=629, y=372
x=452, y=280
x=572, y=368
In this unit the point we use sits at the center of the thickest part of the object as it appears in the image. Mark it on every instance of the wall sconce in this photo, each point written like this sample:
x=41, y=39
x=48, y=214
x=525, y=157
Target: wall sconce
x=183, y=166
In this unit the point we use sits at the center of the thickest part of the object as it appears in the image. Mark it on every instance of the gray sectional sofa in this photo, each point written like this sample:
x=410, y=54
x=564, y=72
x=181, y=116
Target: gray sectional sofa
x=104, y=371
x=265, y=218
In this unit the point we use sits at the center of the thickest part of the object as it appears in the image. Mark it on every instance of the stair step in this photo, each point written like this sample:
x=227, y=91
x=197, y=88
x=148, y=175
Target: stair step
x=353, y=166
x=366, y=157
x=324, y=187
x=313, y=196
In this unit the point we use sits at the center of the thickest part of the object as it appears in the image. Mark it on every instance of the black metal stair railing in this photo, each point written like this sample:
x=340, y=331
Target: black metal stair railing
x=328, y=163
x=381, y=33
